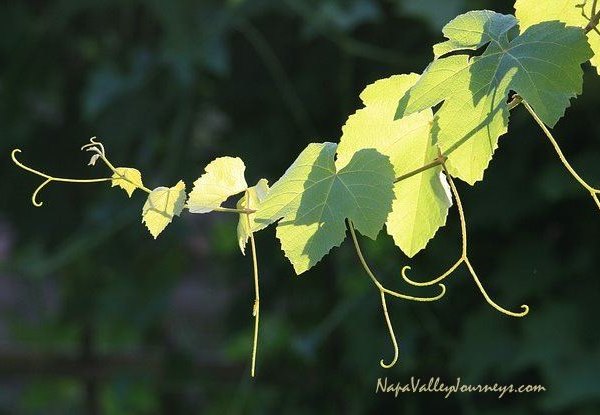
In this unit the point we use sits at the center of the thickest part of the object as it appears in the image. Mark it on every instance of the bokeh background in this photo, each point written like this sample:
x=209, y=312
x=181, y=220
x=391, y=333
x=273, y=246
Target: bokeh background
x=98, y=318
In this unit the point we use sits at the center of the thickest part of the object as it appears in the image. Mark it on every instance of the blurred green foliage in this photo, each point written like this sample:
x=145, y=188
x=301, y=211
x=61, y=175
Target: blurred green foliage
x=168, y=86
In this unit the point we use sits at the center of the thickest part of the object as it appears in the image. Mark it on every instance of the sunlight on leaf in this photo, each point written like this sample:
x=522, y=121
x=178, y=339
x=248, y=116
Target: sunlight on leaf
x=314, y=198
x=530, y=12
x=224, y=178
x=162, y=205
x=127, y=179
x=542, y=64
x=421, y=203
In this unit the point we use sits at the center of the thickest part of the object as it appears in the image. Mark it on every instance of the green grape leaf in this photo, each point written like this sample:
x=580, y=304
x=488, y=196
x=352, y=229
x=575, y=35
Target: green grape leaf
x=162, y=204
x=421, y=202
x=542, y=64
x=314, y=197
x=471, y=31
x=224, y=178
x=251, y=199
x=127, y=179
x=570, y=12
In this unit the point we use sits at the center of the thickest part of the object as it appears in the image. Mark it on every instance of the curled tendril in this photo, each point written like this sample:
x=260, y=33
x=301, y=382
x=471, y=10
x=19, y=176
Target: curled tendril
x=383, y=291
x=95, y=146
x=380, y=286
x=594, y=193
x=392, y=335
x=49, y=179
x=431, y=281
x=491, y=302
x=36, y=191
x=463, y=259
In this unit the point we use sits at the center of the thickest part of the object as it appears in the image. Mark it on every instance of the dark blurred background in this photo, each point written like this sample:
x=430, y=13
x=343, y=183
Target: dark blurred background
x=98, y=318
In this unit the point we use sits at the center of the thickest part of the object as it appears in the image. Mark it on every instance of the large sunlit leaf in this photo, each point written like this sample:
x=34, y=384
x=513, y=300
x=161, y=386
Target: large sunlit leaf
x=315, y=196
x=162, y=205
x=542, y=64
x=570, y=12
x=421, y=203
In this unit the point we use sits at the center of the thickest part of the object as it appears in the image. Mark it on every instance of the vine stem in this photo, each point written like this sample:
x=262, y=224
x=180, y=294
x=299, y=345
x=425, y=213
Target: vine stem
x=383, y=291
x=93, y=146
x=437, y=162
x=593, y=191
x=234, y=210
x=256, y=307
x=514, y=102
x=463, y=259
x=49, y=178
x=594, y=19
x=441, y=159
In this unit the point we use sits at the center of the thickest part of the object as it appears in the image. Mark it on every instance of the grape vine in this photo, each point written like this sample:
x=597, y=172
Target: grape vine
x=398, y=157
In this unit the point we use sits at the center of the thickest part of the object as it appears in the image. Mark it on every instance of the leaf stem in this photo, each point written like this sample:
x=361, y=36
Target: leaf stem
x=256, y=307
x=437, y=162
x=594, y=19
x=234, y=210
x=441, y=159
x=514, y=102
x=593, y=191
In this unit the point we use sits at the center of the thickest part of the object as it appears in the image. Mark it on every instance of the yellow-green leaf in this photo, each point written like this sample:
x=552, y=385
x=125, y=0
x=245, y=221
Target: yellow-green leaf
x=421, y=205
x=224, y=178
x=162, y=205
x=530, y=12
x=127, y=179
x=251, y=199
x=541, y=64
x=313, y=199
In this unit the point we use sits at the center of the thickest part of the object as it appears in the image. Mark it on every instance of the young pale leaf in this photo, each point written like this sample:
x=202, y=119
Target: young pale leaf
x=471, y=31
x=251, y=199
x=314, y=198
x=224, y=177
x=94, y=159
x=542, y=64
x=531, y=12
x=421, y=204
x=162, y=204
x=127, y=179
